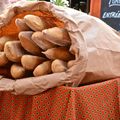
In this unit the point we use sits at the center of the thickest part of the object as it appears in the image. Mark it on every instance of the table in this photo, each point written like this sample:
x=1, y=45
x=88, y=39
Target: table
x=99, y=101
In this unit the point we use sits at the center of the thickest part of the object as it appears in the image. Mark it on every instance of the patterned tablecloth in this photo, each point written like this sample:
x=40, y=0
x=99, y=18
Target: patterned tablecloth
x=99, y=101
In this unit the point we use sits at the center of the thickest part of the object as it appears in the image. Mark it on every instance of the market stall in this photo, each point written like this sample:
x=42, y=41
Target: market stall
x=85, y=89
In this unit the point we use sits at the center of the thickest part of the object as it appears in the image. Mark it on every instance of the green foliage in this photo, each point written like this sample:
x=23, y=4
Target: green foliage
x=59, y=3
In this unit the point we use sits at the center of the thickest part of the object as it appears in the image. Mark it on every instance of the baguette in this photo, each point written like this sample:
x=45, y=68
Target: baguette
x=61, y=53
x=35, y=23
x=70, y=63
x=3, y=59
x=3, y=40
x=58, y=66
x=28, y=44
x=42, y=69
x=14, y=51
x=21, y=25
x=17, y=71
x=30, y=62
x=58, y=36
x=37, y=37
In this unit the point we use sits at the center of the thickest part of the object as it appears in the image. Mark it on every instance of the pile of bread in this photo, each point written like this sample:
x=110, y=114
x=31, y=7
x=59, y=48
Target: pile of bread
x=41, y=48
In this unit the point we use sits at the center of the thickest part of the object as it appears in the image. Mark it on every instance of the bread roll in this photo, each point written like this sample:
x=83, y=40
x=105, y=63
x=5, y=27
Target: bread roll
x=38, y=23
x=58, y=66
x=37, y=37
x=3, y=40
x=61, y=53
x=28, y=44
x=30, y=62
x=17, y=71
x=35, y=23
x=21, y=25
x=14, y=51
x=42, y=69
x=58, y=36
x=3, y=59
x=70, y=63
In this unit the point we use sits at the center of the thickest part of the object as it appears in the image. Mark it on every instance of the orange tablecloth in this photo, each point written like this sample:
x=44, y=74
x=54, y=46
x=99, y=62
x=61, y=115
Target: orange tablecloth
x=92, y=102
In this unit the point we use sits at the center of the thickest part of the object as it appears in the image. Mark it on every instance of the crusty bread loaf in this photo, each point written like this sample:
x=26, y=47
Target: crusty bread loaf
x=37, y=37
x=3, y=59
x=61, y=53
x=21, y=25
x=30, y=62
x=58, y=66
x=17, y=71
x=3, y=40
x=14, y=51
x=43, y=69
x=70, y=63
x=35, y=23
x=28, y=44
x=58, y=36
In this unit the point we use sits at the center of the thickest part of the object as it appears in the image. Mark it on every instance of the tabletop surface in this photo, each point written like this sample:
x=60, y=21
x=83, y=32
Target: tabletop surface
x=98, y=101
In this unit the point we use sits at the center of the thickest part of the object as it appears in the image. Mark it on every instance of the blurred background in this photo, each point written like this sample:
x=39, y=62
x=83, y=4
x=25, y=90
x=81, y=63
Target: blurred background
x=83, y=5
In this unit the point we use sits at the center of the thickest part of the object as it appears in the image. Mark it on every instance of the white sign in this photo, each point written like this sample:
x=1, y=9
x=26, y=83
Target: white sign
x=111, y=14
x=114, y=3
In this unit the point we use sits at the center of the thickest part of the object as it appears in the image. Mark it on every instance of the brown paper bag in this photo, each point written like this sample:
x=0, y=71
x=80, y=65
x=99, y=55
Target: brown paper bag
x=95, y=45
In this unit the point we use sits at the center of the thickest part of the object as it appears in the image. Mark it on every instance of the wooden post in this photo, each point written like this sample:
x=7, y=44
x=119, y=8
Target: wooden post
x=95, y=7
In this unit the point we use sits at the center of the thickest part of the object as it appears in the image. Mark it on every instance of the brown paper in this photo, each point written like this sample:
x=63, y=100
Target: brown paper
x=96, y=47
